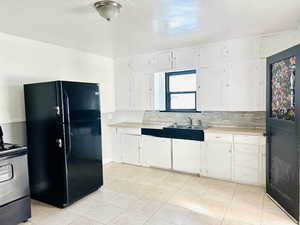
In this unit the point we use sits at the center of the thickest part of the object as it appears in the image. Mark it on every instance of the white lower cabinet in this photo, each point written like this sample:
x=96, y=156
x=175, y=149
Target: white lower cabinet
x=246, y=164
x=263, y=158
x=218, y=158
x=186, y=156
x=156, y=152
x=249, y=159
x=237, y=158
x=130, y=145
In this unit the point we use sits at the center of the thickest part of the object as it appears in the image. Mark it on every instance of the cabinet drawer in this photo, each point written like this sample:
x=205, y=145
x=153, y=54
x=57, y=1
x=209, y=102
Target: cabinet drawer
x=133, y=131
x=218, y=137
x=246, y=139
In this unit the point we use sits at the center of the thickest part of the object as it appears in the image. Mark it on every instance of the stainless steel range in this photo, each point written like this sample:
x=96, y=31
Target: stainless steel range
x=14, y=185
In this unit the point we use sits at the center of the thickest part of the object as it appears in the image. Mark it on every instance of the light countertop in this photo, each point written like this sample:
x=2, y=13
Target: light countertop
x=138, y=125
x=236, y=131
x=224, y=130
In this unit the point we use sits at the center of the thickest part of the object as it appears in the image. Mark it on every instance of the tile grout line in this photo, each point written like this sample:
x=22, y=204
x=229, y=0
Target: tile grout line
x=165, y=203
x=229, y=206
x=152, y=215
x=262, y=208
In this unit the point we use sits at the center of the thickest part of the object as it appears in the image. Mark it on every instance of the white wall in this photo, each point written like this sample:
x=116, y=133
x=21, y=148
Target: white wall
x=232, y=72
x=26, y=61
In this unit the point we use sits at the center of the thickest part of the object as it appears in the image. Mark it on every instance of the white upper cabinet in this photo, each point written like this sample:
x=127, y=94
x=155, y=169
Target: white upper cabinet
x=210, y=88
x=123, y=84
x=143, y=63
x=142, y=91
x=243, y=49
x=159, y=92
x=214, y=54
x=245, y=86
x=162, y=61
x=185, y=59
x=231, y=74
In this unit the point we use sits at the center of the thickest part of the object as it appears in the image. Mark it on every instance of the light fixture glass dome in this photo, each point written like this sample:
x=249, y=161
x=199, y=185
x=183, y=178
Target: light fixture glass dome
x=108, y=9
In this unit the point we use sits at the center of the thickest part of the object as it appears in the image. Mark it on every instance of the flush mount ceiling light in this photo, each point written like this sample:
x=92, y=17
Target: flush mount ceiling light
x=108, y=9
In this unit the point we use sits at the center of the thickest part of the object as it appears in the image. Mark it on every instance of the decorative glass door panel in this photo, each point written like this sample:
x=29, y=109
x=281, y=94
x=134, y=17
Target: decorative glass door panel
x=283, y=89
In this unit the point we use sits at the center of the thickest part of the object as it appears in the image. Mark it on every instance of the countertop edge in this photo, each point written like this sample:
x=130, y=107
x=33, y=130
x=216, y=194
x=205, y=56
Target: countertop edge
x=234, y=131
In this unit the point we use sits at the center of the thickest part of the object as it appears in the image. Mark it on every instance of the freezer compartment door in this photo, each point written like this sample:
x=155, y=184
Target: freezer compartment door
x=81, y=101
x=84, y=158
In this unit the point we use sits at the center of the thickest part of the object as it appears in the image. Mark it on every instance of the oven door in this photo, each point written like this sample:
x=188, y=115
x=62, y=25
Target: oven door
x=13, y=178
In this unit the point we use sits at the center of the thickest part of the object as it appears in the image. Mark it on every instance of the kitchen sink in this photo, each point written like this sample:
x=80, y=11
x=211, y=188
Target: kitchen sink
x=193, y=127
x=175, y=131
x=186, y=132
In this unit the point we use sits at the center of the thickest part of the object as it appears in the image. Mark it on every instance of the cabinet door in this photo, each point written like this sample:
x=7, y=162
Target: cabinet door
x=156, y=152
x=159, y=92
x=214, y=54
x=246, y=163
x=143, y=63
x=219, y=160
x=142, y=92
x=117, y=154
x=162, y=62
x=123, y=84
x=263, y=173
x=211, y=83
x=244, y=90
x=130, y=145
x=185, y=59
x=244, y=49
x=186, y=156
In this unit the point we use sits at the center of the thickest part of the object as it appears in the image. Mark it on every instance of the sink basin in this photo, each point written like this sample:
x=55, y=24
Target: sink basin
x=185, y=132
x=182, y=132
x=193, y=127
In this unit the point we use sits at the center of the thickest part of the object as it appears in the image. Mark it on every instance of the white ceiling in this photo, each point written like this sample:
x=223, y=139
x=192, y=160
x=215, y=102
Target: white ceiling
x=145, y=25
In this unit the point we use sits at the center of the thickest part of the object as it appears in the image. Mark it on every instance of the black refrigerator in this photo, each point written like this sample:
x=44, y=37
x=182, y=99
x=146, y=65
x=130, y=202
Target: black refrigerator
x=283, y=129
x=63, y=122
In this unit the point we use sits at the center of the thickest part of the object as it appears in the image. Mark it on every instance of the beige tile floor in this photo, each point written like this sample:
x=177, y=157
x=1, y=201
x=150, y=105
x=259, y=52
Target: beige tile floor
x=145, y=196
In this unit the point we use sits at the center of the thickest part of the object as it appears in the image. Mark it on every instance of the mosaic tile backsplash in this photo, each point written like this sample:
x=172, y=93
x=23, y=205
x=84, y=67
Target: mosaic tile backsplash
x=255, y=120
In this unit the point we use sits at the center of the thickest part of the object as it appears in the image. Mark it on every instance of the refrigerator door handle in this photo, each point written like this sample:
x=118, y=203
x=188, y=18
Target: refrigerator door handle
x=59, y=143
x=67, y=113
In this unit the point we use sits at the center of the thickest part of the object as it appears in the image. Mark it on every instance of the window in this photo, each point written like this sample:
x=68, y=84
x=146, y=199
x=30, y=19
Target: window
x=181, y=91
